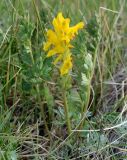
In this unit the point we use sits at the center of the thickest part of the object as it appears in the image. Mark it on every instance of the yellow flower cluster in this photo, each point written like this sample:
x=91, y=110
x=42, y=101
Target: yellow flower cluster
x=58, y=41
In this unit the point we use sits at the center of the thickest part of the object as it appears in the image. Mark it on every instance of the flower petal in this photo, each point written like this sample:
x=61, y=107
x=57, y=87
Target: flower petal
x=67, y=65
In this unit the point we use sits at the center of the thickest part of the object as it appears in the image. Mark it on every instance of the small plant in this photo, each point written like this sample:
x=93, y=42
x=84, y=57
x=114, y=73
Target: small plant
x=58, y=43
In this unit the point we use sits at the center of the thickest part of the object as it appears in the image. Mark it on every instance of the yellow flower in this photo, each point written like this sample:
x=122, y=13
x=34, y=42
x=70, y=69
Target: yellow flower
x=58, y=41
x=67, y=65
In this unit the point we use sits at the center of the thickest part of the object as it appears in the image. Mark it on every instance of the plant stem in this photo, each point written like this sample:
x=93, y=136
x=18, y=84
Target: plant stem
x=83, y=119
x=42, y=111
x=39, y=99
x=66, y=112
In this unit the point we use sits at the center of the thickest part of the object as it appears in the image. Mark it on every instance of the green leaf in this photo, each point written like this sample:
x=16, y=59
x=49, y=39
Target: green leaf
x=26, y=86
x=74, y=95
x=49, y=99
x=12, y=155
x=85, y=80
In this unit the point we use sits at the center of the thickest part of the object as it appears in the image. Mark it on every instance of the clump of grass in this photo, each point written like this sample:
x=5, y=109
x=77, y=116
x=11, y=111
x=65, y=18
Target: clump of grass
x=30, y=85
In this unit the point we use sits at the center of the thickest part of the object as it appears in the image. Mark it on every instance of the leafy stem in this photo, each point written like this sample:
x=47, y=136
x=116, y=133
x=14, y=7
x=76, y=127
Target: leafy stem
x=85, y=106
x=42, y=110
x=66, y=110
